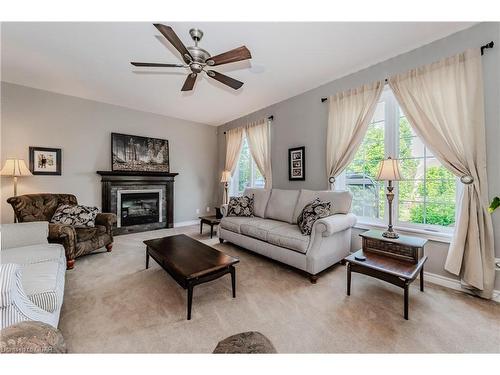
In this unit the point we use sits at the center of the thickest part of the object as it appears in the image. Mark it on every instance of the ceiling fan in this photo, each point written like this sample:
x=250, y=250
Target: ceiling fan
x=197, y=59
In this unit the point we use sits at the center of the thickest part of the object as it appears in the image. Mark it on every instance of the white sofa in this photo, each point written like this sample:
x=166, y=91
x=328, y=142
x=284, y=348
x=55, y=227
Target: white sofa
x=32, y=274
x=273, y=231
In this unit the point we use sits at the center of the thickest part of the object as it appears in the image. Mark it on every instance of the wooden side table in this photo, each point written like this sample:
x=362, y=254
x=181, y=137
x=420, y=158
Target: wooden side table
x=210, y=220
x=396, y=261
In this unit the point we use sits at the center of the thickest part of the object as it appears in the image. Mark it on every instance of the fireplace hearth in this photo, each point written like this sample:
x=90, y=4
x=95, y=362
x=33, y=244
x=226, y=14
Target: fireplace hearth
x=142, y=201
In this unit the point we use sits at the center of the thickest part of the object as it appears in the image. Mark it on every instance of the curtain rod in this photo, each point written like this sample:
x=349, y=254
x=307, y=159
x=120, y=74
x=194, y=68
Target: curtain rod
x=270, y=118
x=486, y=46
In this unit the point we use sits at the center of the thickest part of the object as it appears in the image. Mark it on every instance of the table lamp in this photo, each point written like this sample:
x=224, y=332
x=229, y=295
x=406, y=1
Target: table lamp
x=15, y=168
x=226, y=177
x=389, y=171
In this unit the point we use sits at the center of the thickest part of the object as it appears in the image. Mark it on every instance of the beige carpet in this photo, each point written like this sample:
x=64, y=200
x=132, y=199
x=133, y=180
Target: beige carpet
x=112, y=304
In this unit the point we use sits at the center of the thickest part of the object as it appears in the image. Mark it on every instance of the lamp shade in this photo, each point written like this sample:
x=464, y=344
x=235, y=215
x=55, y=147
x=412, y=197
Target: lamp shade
x=226, y=176
x=16, y=168
x=388, y=170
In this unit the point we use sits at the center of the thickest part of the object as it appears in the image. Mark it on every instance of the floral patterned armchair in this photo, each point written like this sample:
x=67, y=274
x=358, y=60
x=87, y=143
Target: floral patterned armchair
x=77, y=241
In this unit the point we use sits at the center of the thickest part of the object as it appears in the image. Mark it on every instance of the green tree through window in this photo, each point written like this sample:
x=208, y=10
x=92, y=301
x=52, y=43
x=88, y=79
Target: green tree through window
x=427, y=193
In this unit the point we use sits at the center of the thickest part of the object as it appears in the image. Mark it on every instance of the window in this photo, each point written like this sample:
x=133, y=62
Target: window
x=246, y=174
x=425, y=198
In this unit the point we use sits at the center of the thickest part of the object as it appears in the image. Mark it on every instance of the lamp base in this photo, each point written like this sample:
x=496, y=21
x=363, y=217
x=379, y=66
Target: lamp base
x=390, y=234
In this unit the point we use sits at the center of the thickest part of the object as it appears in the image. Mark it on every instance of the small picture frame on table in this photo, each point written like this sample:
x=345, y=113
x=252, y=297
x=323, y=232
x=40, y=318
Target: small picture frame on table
x=45, y=161
x=297, y=164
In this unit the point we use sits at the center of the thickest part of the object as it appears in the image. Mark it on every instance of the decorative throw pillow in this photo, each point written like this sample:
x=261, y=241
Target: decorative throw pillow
x=312, y=212
x=75, y=215
x=240, y=206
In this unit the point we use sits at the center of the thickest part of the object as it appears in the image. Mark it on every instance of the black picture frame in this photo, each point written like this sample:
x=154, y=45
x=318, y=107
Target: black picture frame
x=297, y=164
x=41, y=158
x=122, y=160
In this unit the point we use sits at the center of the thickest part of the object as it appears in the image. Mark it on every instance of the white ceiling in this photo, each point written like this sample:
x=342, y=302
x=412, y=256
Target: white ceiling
x=91, y=60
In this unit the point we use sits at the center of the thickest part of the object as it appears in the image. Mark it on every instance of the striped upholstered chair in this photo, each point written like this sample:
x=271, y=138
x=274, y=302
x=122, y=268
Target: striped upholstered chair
x=31, y=275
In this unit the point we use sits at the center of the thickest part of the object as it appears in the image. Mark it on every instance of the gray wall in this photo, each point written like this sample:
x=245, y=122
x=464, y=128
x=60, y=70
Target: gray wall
x=82, y=128
x=302, y=120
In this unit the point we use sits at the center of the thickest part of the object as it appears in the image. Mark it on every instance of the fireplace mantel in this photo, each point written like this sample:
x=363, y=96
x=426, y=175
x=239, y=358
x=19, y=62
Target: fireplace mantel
x=136, y=173
x=112, y=181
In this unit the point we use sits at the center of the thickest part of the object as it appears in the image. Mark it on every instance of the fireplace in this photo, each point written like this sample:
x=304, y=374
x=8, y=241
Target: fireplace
x=135, y=207
x=142, y=201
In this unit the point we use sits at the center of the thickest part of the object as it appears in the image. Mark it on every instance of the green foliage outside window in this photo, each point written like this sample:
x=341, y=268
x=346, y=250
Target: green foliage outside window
x=429, y=201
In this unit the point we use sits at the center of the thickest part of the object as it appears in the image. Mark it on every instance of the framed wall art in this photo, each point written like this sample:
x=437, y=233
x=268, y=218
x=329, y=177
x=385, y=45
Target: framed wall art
x=139, y=154
x=45, y=161
x=296, y=164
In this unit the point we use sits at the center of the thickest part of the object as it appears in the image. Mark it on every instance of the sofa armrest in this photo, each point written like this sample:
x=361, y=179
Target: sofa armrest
x=334, y=224
x=223, y=209
x=107, y=220
x=24, y=234
x=64, y=235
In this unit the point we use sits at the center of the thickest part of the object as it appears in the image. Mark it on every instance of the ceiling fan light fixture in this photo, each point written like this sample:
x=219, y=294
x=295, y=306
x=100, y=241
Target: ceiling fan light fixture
x=196, y=58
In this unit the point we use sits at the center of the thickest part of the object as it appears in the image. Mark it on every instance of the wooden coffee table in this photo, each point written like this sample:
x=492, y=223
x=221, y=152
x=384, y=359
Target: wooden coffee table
x=190, y=262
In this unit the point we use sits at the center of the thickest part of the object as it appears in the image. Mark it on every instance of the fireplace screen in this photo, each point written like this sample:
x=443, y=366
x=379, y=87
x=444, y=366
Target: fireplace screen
x=139, y=208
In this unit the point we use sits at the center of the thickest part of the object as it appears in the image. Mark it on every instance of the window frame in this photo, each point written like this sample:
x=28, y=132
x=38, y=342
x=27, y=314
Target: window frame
x=392, y=114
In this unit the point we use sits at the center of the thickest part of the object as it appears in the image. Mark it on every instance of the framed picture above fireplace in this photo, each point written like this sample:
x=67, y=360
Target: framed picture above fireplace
x=136, y=153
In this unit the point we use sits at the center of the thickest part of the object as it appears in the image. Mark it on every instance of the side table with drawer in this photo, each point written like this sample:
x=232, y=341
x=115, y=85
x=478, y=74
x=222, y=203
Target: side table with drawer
x=397, y=261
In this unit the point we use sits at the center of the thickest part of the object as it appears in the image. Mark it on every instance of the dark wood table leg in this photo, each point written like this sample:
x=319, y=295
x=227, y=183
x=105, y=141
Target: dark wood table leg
x=406, y=289
x=211, y=230
x=233, y=280
x=147, y=259
x=422, y=279
x=201, y=227
x=348, y=279
x=190, y=300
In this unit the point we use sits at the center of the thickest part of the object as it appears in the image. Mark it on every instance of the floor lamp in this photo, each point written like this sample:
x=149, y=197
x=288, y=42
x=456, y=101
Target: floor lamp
x=15, y=168
x=389, y=171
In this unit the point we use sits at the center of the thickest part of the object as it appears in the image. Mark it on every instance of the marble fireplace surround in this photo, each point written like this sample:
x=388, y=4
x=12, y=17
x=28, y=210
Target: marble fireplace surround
x=114, y=181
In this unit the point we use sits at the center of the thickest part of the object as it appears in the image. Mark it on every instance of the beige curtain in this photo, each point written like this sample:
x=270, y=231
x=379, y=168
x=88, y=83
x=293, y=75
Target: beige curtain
x=258, y=137
x=234, y=141
x=350, y=112
x=444, y=103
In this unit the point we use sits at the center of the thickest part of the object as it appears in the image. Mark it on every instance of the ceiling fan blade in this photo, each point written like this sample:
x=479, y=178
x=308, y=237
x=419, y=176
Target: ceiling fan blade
x=237, y=54
x=157, y=65
x=189, y=82
x=172, y=37
x=231, y=82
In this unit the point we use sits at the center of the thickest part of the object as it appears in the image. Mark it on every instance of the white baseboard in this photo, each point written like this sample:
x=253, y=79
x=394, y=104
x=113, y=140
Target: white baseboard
x=454, y=284
x=186, y=223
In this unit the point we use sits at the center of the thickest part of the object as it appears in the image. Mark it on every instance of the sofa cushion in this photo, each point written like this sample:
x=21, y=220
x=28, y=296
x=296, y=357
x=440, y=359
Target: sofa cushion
x=290, y=237
x=75, y=215
x=34, y=254
x=260, y=228
x=240, y=206
x=85, y=233
x=281, y=204
x=260, y=199
x=312, y=212
x=340, y=201
x=233, y=223
x=43, y=283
